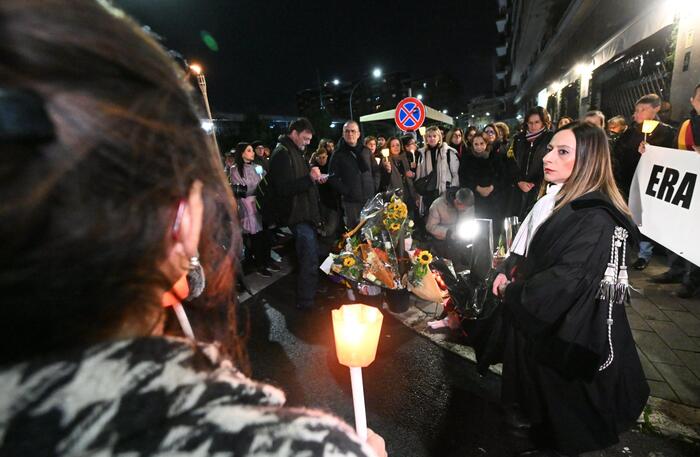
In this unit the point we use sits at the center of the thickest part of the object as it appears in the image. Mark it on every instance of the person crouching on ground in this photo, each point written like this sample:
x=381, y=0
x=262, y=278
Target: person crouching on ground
x=446, y=212
x=571, y=373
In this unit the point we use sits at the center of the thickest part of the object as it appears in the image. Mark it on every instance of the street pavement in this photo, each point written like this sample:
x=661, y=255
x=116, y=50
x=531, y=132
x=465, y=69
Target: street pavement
x=424, y=400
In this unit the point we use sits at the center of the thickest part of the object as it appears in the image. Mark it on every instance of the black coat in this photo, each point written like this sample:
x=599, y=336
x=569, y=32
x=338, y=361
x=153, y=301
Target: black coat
x=556, y=337
x=397, y=179
x=626, y=154
x=354, y=173
x=525, y=164
x=295, y=193
x=484, y=172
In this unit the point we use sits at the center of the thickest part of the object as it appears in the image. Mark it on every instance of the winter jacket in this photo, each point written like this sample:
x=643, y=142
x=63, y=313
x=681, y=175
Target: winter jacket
x=626, y=155
x=447, y=169
x=156, y=396
x=354, y=173
x=443, y=217
x=251, y=220
x=397, y=179
x=689, y=133
x=524, y=163
x=295, y=193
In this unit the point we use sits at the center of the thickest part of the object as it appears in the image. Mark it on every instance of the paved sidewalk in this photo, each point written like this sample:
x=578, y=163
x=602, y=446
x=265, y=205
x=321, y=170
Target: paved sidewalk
x=667, y=332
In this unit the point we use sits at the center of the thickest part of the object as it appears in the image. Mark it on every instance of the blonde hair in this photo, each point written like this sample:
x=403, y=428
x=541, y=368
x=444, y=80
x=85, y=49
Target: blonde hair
x=592, y=168
x=435, y=128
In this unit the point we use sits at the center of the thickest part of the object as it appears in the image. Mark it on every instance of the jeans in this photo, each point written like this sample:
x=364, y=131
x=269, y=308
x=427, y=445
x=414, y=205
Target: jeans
x=645, y=250
x=307, y=256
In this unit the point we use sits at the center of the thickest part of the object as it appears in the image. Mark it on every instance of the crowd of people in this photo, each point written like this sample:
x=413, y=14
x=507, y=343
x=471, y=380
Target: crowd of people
x=113, y=196
x=503, y=175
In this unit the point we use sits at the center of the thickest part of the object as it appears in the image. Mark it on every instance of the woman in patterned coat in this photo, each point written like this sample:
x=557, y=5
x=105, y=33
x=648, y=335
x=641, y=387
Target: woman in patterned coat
x=111, y=193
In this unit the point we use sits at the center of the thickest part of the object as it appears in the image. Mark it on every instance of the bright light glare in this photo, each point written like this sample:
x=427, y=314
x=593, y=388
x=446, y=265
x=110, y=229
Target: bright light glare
x=685, y=7
x=207, y=126
x=336, y=82
x=468, y=229
x=488, y=114
x=444, y=111
x=196, y=69
x=377, y=72
x=420, y=97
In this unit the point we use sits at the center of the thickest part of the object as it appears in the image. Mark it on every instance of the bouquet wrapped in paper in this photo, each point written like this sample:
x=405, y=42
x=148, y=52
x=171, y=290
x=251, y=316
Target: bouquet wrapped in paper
x=421, y=279
x=376, y=244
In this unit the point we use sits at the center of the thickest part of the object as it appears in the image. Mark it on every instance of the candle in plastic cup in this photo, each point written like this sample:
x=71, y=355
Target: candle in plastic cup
x=385, y=153
x=356, y=329
x=649, y=125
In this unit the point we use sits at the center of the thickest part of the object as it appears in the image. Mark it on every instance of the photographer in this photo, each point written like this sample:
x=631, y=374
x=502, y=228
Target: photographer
x=445, y=213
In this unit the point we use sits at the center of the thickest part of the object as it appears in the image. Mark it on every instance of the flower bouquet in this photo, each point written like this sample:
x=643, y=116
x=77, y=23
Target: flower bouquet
x=421, y=280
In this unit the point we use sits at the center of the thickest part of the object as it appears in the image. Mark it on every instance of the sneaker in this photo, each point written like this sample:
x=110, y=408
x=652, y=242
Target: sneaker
x=272, y=267
x=640, y=264
x=668, y=277
x=264, y=272
x=276, y=257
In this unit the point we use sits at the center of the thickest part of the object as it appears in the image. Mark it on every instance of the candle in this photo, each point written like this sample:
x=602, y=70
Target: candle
x=356, y=329
x=385, y=153
x=174, y=298
x=648, y=126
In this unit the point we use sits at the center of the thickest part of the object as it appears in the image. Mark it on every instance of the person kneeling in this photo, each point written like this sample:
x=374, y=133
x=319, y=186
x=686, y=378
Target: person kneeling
x=445, y=213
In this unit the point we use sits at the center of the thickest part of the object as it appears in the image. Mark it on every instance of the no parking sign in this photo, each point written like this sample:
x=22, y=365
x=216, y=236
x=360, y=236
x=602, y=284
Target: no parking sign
x=409, y=114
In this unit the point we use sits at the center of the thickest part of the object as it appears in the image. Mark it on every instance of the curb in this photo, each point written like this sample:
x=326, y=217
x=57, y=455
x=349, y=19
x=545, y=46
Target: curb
x=666, y=418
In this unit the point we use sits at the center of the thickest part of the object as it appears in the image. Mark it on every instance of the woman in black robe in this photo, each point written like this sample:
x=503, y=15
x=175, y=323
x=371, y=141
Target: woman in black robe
x=570, y=369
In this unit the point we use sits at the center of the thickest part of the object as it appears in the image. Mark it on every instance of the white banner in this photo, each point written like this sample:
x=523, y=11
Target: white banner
x=665, y=199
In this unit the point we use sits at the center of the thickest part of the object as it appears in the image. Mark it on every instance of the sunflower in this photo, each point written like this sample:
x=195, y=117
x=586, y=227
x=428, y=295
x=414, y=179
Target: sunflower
x=348, y=262
x=387, y=222
x=402, y=212
x=394, y=226
x=425, y=258
x=391, y=215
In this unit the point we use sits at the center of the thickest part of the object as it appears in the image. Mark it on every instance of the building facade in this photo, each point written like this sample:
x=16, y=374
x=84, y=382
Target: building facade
x=574, y=55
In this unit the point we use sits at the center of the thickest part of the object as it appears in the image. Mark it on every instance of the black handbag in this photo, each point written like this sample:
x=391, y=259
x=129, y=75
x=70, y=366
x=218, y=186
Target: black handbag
x=426, y=184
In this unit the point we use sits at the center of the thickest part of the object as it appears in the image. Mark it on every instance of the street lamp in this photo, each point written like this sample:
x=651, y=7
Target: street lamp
x=377, y=73
x=336, y=82
x=202, y=82
x=420, y=97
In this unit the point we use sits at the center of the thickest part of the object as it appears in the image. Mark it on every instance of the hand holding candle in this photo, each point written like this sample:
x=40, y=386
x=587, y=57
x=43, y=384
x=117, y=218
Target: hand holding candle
x=356, y=329
x=648, y=127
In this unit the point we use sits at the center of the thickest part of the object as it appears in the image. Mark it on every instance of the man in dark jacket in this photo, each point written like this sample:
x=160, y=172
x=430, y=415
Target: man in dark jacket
x=628, y=151
x=353, y=173
x=294, y=187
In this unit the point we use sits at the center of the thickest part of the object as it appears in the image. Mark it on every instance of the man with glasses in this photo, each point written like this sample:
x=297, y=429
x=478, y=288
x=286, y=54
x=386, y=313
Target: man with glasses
x=353, y=173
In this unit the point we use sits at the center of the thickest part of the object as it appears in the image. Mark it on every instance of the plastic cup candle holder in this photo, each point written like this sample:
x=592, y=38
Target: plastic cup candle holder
x=356, y=330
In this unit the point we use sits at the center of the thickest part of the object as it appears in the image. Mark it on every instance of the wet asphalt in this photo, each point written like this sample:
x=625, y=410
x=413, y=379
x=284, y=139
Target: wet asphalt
x=424, y=400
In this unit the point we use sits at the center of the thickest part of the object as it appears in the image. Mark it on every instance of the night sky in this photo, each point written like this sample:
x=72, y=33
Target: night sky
x=270, y=49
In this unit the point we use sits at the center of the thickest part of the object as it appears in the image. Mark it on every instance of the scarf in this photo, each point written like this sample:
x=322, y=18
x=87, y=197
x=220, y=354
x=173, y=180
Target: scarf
x=539, y=213
x=443, y=171
x=531, y=137
x=688, y=135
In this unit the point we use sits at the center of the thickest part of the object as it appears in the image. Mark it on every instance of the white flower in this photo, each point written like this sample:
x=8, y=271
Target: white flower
x=410, y=223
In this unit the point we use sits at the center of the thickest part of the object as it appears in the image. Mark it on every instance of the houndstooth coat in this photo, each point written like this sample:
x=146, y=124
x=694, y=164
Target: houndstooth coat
x=156, y=396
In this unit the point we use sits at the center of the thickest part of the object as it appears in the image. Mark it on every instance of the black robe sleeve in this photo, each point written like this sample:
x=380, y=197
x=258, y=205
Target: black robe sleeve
x=544, y=298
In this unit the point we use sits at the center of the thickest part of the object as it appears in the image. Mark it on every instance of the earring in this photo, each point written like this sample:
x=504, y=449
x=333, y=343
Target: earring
x=195, y=278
